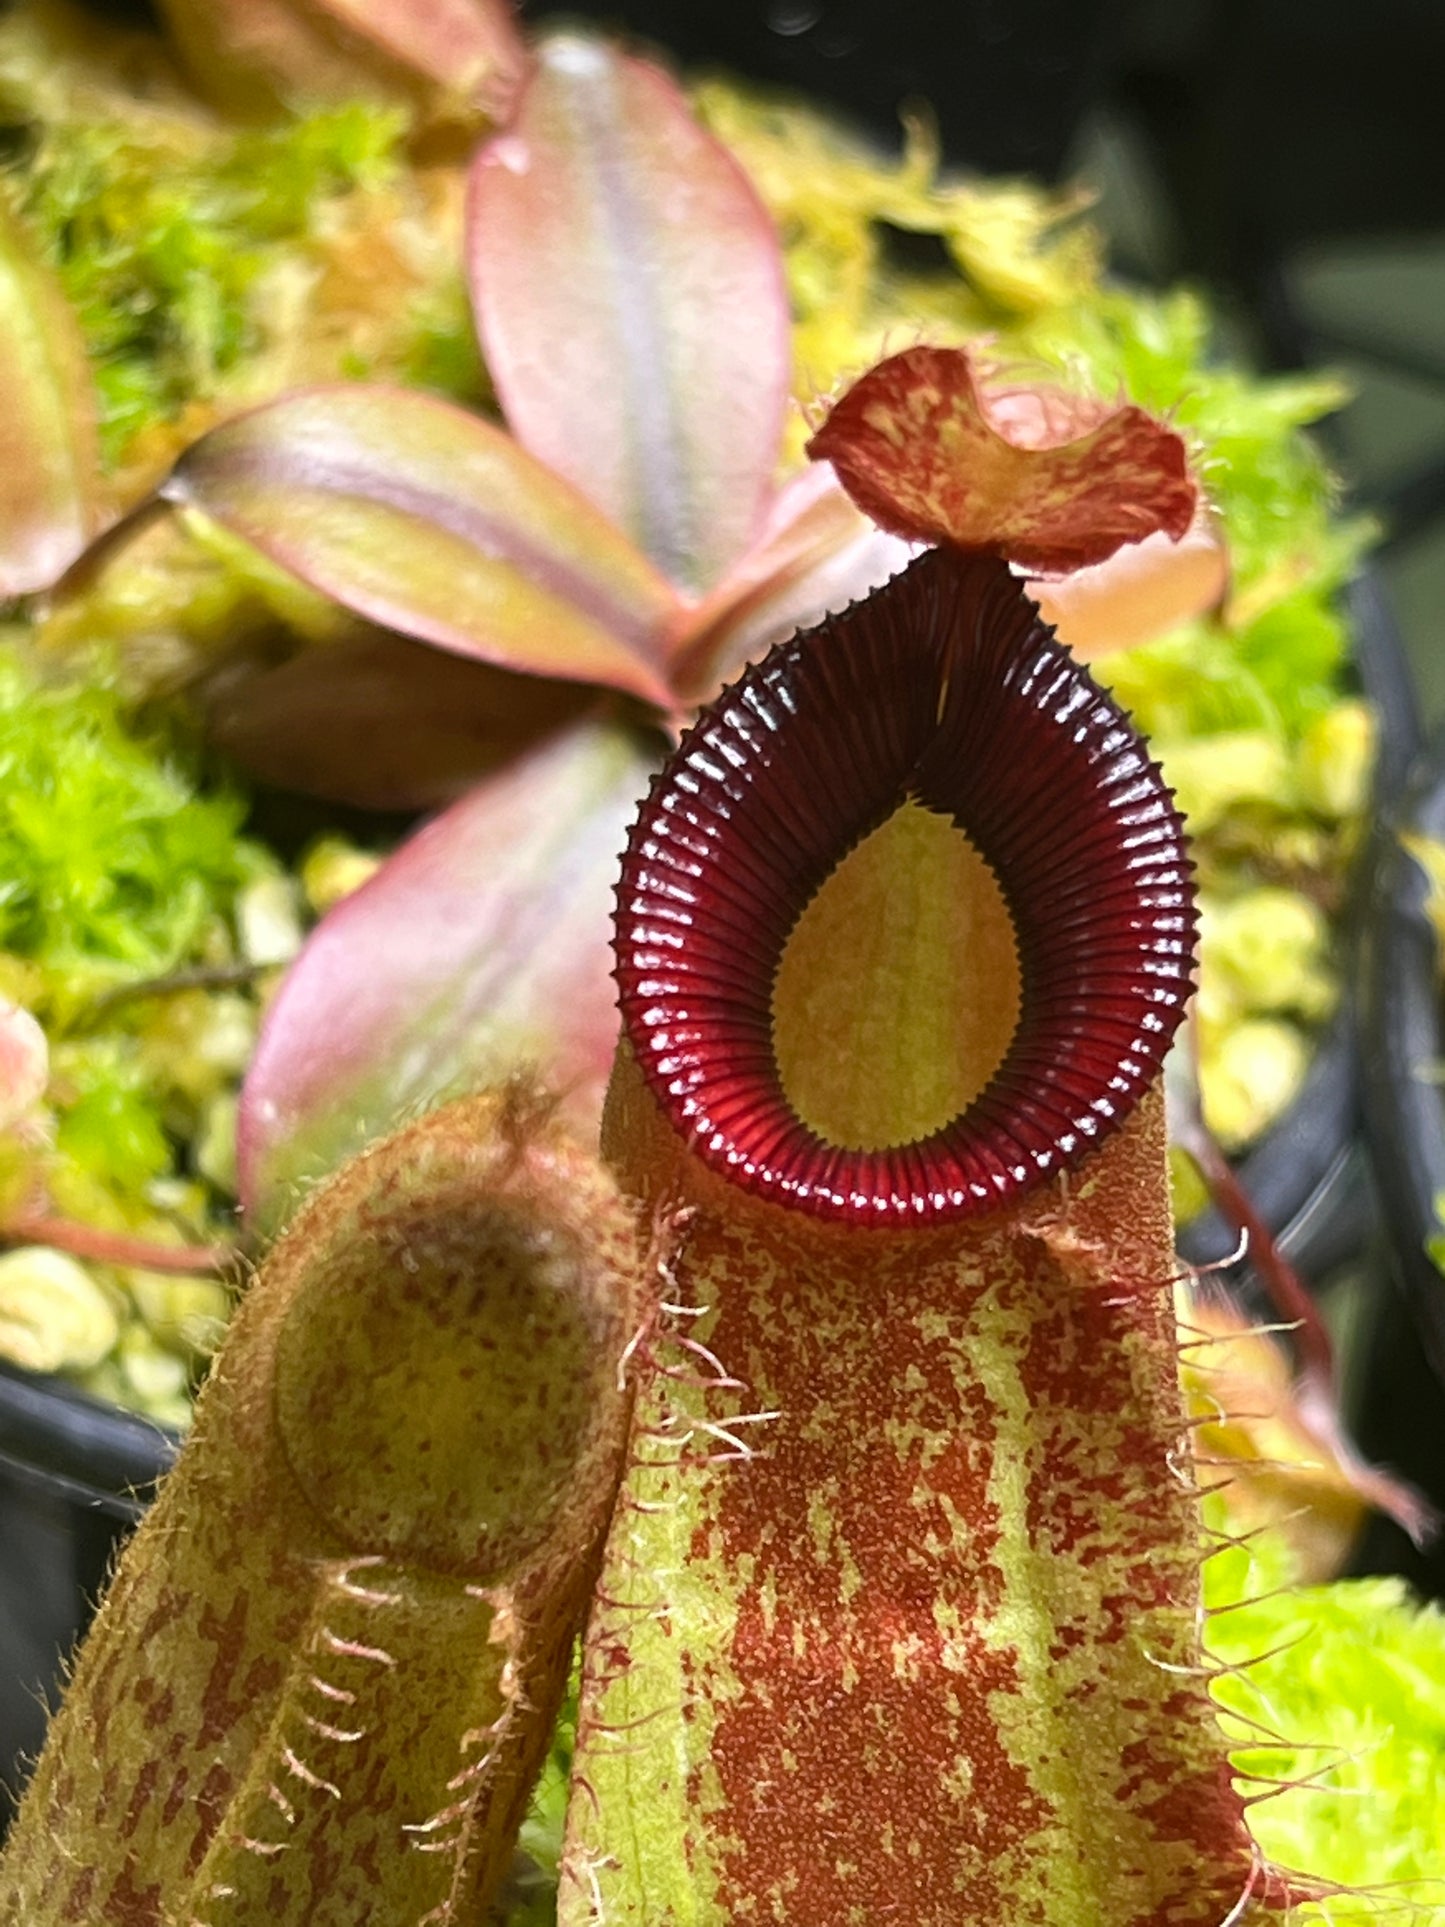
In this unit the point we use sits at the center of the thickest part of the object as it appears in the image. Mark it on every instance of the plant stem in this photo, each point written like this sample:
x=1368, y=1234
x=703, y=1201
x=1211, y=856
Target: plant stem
x=112, y=1247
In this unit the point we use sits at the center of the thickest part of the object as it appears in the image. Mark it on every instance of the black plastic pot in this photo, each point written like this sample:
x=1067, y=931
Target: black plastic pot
x=74, y=1476
x=1308, y=1176
x=1402, y=1411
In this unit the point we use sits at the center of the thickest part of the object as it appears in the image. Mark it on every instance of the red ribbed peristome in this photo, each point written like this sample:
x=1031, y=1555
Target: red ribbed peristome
x=943, y=687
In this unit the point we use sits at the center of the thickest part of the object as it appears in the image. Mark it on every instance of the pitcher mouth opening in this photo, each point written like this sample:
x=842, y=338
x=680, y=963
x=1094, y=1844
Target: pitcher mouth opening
x=944, y=690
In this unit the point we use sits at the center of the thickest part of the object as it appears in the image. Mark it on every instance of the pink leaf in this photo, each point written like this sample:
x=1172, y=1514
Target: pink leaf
x=48, y=471
x=468, y=47
x=255, y=55
x=629, y=294
x=426, y=519
x=378, y=720
x=816, y=554
x=1140, y=592
x=1046, y=480
x=479, y=949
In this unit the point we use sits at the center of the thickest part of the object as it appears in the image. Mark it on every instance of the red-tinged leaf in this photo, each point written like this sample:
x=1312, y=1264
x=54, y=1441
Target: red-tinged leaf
x=429, y=520
x=1278, y=1445
x=1140, y=592
x=48, y=463
x=257, y=55
x=629, y=294
x=1313, y=1414
x=383, y=722
x=816, y=554
x=479, y=949
x=1042, y=479
x=470, y=47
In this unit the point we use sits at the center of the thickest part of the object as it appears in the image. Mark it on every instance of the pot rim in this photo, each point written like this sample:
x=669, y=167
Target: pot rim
x=1308, y=1173
x=1403, y=1028
x=75, y=1447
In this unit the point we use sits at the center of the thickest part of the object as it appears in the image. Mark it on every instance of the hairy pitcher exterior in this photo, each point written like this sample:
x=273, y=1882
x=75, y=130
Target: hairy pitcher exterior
x=323, y=1679
x=900, y=1612
x=905, y=1624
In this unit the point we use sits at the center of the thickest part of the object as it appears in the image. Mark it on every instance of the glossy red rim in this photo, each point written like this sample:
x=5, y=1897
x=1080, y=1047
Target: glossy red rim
x=943, y=687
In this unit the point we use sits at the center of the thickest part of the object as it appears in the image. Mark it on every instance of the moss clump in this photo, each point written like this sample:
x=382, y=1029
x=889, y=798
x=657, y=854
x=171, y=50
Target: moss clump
x=211, y=265
x=1351, y=1676
x=160, y=238
x=114, y=871
x=114, y=868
